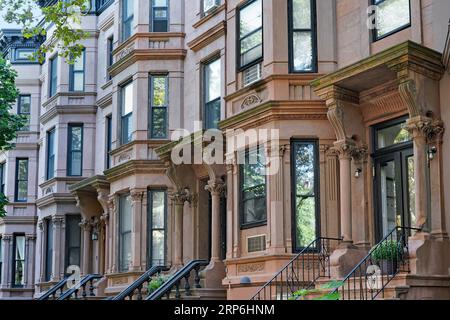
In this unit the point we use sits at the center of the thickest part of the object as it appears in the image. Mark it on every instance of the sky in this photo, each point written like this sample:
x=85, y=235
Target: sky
x=5, y=25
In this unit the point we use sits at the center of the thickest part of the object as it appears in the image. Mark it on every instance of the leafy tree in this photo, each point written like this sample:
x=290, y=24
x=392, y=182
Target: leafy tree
x=65, y=15
x=10, y=123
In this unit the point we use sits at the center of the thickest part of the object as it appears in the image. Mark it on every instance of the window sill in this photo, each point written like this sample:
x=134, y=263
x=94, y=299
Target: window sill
x=206, y=16
x=252, y=225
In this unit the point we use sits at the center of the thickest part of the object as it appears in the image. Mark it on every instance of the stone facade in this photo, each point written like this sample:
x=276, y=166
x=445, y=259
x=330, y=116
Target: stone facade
x=126, y=205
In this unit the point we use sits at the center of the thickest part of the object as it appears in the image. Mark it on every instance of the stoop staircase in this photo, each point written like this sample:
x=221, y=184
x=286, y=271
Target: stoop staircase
x=184, y=284
x=85, y=290
x=369, y=280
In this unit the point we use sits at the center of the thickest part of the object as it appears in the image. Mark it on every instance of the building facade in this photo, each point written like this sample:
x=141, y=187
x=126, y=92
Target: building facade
x=349, y=103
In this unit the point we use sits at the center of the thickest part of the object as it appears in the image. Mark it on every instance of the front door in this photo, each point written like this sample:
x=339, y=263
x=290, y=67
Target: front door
x=394, y=178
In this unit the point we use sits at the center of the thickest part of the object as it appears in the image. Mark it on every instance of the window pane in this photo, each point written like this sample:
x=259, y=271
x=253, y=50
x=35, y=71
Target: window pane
x=392, y=15
x=305, y=197
x=128, y=8
x=392, y=135
x=159, y=91
x=78, y=81
x=25, y=103
x=250, y=18
x=303, y=51
x=208, y=4
x=127, y=99
x=160, y=13
x=158, y=243
x=159, y=3
x=125, y=221
x=212, y=115
x=254, y=169
x=75, y=163
x=22, y=191
x=127, y=129
x=305, y=219
x=301, y=14
x=23, y=169
x=255, y=210
x=76, y=138
x=19, y=259
x=158, y=209
x=213, y=80
x=304, y=169
x=159, y=120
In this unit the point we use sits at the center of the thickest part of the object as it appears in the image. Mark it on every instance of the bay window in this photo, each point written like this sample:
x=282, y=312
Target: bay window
x=302, y=36
x=18, y=266
x=305, y=184
x=125, y=221
x=160, y=16
x=21, y=192
x=127, y=18
x=76, y=73
x=24, y=109
x=51, y=154
x=159, y=98
x=75, y=150
x=126, y=102
x=157, y=229
x=250, y=34
x=253, y=188
x=212, y=94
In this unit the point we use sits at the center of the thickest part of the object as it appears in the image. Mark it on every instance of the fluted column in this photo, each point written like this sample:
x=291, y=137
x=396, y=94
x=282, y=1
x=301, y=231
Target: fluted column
x=113, y=238
x=41, y=251
x=215, y=187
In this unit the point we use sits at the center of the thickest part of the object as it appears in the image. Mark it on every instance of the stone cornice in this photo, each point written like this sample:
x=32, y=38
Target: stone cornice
x=60, y=179
x=68, y=94
x=19, y=220
x=96, y=182
x=407, y=55
x=134, y=167
x=105, y=101
x=208, y=37
x=300, y=79
x=145, y=54
x=150, y=36
x=277, y=111
x=61, y=110
x=149, y=143
x=55, y=198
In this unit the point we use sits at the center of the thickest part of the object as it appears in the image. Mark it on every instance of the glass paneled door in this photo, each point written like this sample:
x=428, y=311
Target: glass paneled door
x=394, y=179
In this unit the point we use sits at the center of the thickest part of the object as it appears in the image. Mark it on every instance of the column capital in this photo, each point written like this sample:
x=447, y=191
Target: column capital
x=137, y=195
x=216, y=187
x=85, y=224
x=30, y=237
x=344, y=148
x=58, y=220
x=179, y=197
x=7, y=237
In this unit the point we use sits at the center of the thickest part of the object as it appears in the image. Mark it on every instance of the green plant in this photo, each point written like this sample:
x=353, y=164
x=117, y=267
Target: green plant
x=388, y=250
x=156, y=282
x=332, y=294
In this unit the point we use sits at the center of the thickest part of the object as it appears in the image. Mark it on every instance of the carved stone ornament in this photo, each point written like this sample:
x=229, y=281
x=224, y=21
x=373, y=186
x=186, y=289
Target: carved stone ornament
x=251, y=100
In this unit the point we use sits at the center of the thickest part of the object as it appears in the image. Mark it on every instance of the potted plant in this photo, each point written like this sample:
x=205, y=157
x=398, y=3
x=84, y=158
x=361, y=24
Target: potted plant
x=156, y=282
x=387, y=255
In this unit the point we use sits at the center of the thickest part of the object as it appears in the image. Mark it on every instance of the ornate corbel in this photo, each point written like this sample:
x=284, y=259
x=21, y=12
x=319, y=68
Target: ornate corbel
x=408, y=92
x=359, y=154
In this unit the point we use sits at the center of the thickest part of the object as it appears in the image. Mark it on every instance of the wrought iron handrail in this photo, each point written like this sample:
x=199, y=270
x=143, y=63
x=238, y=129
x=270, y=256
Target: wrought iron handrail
x=371, y=276
x=88, y=279
x=302, y=272
x=53, y=290
x=177, y=277
x=139, y=283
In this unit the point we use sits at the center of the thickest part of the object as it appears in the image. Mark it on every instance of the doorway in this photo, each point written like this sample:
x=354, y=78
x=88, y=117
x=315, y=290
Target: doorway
x=394, y=187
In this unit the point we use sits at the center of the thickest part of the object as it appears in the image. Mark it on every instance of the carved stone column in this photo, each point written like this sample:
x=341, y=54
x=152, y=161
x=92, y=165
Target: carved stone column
x=86, y=228
x=113, y=239
x=418, y=128
x=105, y=242
x=5, y=242
x=40, y=228
x=178, y=198
x=345, y=149
x=136, y=198
x=229, y=219
x=438, y=222
x=215, y=187
x=57, y=272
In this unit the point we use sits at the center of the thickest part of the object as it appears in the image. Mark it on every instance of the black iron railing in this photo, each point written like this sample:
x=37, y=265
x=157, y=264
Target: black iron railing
x=86, y=285
x=52, y=293
x=139, y=287
x=302, y=272
x=384, y=261
x=180, y=281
